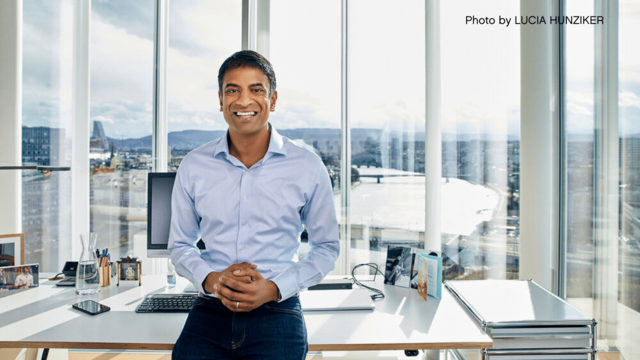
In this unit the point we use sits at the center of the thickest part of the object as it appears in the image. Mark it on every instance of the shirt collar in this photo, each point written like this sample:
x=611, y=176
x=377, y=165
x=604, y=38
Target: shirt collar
x=276, y=143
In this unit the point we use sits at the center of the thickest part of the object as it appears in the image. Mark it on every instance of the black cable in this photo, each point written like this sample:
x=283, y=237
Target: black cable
x=56, y=277
x=379, y=295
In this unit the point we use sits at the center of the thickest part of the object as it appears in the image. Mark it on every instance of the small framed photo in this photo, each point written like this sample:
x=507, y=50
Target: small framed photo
x=398, y=269
x=19, y=277
x=129, y=269
x=11, y=250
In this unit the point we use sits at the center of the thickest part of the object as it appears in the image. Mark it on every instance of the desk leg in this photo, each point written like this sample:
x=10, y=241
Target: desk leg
x=45, y=354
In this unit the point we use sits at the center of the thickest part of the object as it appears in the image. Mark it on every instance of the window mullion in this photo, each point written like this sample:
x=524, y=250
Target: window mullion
x=342, y=265
x=160, y=137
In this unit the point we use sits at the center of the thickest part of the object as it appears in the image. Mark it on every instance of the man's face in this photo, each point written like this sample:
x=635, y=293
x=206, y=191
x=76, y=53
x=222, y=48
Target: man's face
x=245, y=101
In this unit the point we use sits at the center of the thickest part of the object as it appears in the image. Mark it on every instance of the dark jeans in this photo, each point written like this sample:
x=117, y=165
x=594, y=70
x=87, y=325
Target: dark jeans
x=273, y=331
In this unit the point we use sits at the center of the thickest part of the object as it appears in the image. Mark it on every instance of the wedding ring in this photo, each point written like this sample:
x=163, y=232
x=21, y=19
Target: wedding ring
x=237, y=304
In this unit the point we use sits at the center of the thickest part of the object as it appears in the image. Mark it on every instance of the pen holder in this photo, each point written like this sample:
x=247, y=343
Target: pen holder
x=105, y=276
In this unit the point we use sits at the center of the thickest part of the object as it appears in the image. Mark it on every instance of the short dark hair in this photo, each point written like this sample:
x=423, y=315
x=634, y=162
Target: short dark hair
x=248, y=58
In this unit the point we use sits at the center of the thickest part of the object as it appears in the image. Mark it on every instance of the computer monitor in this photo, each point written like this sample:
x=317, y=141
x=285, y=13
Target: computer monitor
x=159, y=189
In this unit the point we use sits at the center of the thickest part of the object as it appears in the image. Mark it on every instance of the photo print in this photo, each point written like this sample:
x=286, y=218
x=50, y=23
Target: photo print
x=11, y=250
x=399, y=266
x=128, y=271
x=19, y=277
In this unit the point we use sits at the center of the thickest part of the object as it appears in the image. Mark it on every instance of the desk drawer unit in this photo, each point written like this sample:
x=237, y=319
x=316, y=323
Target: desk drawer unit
x=515, y=355
x=526, y=321
x=541, y=337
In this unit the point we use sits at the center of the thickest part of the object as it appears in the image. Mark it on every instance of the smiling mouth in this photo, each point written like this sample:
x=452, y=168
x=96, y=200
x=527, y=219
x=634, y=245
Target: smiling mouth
x=245, y=113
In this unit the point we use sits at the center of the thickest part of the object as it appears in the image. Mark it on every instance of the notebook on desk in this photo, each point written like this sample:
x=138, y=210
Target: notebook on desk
x=331, y=300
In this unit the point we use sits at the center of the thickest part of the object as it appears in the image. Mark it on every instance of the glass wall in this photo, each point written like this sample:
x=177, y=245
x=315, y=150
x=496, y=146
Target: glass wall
x=202, y=34
x=305, y=53
x=480, y=140
x=46, y=132
x=386, y=117
x=588, y=261
x=629, y=125
x=121, y=102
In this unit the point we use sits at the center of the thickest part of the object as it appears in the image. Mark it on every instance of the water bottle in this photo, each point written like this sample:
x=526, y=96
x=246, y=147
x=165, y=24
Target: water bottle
x=171, y=275
x=87, y=278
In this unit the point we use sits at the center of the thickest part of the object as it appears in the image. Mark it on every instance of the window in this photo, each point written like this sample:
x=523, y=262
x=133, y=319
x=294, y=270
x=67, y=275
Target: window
x=602, y=258
x=386, y=116
x=120, y=143
x=480, y=140
x=629, y=114
x=305, y=54
x=46, y=110
x=202, y=34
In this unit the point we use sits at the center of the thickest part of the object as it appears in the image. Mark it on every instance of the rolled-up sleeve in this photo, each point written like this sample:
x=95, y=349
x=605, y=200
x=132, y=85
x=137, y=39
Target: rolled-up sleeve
x=185, y=230
x=319, y=217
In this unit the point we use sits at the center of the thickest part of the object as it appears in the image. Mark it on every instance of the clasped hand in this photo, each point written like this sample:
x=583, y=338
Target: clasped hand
x=241, y=288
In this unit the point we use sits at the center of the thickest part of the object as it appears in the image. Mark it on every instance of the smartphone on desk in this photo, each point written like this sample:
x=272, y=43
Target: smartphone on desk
x=91, y=307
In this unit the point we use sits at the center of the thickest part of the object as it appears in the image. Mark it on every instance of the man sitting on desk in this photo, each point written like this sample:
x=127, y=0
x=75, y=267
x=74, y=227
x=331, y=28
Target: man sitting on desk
x=248, y=195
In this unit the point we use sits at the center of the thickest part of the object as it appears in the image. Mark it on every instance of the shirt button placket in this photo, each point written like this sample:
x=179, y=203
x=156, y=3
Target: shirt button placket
x=243, y=214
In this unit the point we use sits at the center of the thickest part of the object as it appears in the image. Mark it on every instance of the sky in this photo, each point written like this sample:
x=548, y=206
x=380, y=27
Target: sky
x=480, y=72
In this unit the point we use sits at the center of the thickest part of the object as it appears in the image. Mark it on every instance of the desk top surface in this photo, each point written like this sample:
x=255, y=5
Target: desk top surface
x=43, y=317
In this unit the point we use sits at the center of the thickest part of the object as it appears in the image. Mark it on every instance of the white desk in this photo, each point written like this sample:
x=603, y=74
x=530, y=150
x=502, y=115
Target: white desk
x=43, y=318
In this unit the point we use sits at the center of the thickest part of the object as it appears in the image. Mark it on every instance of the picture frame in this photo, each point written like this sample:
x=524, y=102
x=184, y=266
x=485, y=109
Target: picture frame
x=12, y=250
x=19, y=277
x=129, y=269
x=399, y=266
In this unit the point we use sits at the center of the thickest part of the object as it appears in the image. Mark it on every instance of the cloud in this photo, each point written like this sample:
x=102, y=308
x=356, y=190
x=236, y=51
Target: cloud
x=627, y=98
x=629, y=75
x=201, y=120
x=127, y=119
x=577, y=109
x=121, y=77
x=205, y=29
x=580, y=97
x=46, y=84
x=134, y=17
x=297, y=108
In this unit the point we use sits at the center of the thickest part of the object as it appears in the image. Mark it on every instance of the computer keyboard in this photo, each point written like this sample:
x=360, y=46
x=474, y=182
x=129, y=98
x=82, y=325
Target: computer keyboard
x=167, y=303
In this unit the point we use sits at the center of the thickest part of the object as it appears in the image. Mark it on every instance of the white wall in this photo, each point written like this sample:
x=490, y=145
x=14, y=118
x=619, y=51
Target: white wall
x=10, y=115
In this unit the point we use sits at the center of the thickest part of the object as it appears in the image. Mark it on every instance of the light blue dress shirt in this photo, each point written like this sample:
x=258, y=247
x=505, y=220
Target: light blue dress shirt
x=254, y=215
